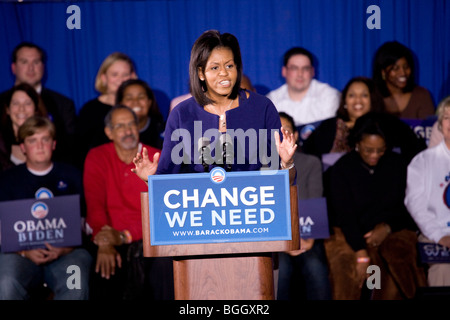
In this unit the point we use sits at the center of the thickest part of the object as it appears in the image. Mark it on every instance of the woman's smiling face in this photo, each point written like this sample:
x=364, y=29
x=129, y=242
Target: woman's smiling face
x=21, y=108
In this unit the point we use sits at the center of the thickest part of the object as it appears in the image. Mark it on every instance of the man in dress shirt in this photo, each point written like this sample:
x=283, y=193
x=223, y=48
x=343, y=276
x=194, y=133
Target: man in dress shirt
x=307, y=100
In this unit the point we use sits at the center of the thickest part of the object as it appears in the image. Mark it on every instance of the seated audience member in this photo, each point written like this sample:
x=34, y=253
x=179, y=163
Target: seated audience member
x=23, y=271
x=303, y=274
x=436, y=135
x=358, y=97
x=137, y=95
x=307, y=100
x=116, y=68
x=370, y=222
x=428, y=194
x=394, y=76
x=21, y=103
x=401, y=136
x=112, y=194
x=28, y=66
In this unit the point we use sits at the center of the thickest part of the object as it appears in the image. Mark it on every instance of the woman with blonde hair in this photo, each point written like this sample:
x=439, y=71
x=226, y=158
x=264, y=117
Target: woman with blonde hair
x=428, y=194
x=115, y=69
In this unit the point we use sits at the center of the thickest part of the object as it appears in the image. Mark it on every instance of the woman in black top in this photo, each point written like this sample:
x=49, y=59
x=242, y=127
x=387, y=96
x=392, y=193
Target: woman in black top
x=137, y=95
x=371, y=224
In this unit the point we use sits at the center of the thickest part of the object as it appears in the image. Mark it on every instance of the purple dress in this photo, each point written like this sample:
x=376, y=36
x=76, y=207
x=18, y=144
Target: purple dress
x=249, y=137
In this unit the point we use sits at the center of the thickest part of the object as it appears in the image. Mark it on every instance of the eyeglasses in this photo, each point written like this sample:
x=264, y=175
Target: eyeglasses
x=299, y=69
x=369, y=150
x=124, y=126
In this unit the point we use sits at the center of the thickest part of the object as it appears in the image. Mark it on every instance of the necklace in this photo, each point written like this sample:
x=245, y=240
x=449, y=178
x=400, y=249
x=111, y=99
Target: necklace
x=370, y=169
x=222, y=118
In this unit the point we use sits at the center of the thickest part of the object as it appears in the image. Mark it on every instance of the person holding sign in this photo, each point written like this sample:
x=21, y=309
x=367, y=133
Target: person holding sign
x=221, y=124
x=38, y=177
x=428, y=195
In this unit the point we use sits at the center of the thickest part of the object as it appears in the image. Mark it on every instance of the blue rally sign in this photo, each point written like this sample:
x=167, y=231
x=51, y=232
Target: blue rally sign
x=219, y=207
x=28, y=224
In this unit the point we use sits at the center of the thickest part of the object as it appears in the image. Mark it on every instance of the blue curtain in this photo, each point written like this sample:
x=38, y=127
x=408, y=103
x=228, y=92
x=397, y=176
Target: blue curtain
x=158, y=35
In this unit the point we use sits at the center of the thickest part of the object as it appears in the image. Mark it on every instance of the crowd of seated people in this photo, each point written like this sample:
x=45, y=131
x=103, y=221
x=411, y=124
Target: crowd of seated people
x=357, y=136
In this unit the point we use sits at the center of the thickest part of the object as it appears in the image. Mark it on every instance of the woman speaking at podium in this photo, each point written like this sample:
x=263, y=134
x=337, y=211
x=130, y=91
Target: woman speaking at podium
x=220, y=125
x=220, y=115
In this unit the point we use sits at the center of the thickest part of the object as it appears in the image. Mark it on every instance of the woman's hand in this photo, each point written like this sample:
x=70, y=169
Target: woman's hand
x=445, y=241
x=143, y=166
x=286, y=148
x=377, y=235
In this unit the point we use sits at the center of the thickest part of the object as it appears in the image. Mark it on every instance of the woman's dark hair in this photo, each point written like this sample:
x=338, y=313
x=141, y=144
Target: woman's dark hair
x=371, y=123
x=376, y=100
x=6, y=126
x=386, y=56
x=292, y=123
x=34, y=96
x=154, y=111
x=28, y=89
x=200, y=53
x=288, y=118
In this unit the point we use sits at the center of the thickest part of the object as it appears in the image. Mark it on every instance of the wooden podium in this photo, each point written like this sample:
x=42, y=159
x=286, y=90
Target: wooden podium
x=222, y=271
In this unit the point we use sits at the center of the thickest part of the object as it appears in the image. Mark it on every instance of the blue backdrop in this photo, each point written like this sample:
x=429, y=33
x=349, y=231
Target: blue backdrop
x=158, y=35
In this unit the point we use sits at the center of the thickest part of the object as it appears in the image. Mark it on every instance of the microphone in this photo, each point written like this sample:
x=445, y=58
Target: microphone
x=205, y=153
x=227, y=151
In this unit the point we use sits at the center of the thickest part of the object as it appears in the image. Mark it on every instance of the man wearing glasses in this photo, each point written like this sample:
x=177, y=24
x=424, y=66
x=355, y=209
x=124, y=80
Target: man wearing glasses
x=307, y=100
x=113, y=215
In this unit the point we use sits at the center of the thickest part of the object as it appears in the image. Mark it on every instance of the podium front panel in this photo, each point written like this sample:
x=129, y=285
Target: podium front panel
x=223, y=247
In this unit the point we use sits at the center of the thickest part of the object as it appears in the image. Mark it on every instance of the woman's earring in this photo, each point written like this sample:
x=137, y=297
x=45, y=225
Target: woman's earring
x=356, y=148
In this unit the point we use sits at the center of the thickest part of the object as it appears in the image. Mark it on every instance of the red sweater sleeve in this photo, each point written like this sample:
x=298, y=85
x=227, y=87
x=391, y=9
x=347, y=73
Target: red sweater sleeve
x=94, y=183
x=112, y=191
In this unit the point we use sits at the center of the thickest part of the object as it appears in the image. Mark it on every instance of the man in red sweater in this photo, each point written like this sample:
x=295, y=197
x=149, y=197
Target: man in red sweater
x=112, y=194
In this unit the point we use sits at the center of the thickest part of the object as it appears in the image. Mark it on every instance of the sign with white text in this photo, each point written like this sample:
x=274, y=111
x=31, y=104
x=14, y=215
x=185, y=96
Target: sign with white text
x=219, y=207
x=422, y=128
x=30, y=223
x=433, y=253
x=313, y=218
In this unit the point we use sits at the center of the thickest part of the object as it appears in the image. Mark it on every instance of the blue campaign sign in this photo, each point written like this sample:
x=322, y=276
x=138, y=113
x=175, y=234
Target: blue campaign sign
x=28, y=224
x=219, y=207
x=433, y=253
x=422, y=128
x=313, y=218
